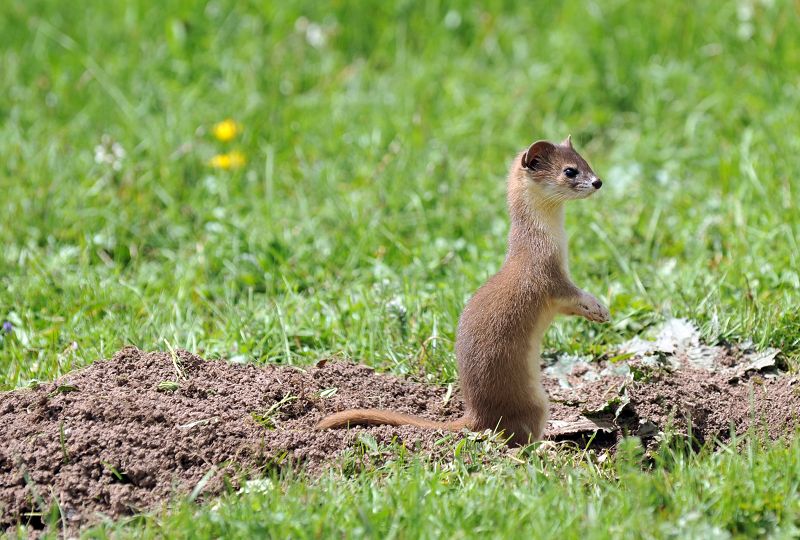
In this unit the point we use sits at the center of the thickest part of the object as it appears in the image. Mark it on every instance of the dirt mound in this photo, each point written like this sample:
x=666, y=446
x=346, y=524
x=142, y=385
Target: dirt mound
x=710, y=406
x=121, y=436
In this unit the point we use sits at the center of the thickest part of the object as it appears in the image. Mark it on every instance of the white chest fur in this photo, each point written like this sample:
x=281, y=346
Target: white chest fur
x=555, y=228
x=550, y=221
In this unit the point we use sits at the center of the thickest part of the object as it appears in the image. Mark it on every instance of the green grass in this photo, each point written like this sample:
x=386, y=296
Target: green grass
x=685, y=496
x=372, y=201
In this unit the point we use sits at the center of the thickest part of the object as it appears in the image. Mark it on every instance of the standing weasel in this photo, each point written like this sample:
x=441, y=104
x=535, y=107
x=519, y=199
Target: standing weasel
x=500, y=332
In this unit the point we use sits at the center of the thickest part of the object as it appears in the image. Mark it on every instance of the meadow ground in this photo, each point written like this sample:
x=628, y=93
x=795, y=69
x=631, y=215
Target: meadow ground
x=362, y=201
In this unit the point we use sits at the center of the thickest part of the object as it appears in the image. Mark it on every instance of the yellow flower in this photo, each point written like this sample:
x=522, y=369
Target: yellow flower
x=226, y=130
x=231, y=160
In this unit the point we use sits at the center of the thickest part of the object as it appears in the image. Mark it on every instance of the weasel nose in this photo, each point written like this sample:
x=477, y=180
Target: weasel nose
x=597, y=183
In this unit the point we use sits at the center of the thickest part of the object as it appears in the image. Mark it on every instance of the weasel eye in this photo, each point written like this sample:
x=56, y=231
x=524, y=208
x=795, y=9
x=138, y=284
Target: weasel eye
x=570, y=172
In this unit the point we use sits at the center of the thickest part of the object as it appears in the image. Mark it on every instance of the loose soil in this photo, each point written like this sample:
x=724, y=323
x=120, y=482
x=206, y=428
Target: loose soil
x=122, y=436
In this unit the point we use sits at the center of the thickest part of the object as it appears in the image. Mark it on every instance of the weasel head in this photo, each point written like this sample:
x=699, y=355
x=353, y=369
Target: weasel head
x=554, y=173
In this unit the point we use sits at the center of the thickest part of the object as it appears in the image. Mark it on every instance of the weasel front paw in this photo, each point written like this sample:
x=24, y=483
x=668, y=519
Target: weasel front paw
x=593, y=310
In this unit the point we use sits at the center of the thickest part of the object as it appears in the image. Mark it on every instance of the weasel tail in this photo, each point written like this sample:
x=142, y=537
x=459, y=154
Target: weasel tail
x=377, y=417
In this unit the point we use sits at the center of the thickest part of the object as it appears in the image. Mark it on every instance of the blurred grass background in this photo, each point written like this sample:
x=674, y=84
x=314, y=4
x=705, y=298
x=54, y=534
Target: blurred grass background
x=376, y=137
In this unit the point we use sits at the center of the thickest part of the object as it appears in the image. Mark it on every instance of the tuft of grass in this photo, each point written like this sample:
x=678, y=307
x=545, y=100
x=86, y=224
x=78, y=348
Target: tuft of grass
x=180, y=371
x=267, y=418
x=120, y=476
x=60, y=389
x=167, y=386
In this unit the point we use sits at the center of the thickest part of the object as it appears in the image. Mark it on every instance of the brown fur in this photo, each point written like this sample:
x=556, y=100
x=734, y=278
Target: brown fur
x=500, y=330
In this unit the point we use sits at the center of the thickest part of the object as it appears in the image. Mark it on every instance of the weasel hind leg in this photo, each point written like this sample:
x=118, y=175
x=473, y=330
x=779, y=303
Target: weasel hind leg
x=526, y=429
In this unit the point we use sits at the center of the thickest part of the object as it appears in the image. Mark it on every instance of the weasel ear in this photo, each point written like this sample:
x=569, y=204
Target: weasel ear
x=568, y=142
x=536, y=153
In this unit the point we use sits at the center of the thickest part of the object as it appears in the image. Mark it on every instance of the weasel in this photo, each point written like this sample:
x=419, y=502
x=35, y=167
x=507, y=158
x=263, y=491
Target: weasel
x=500, y=331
